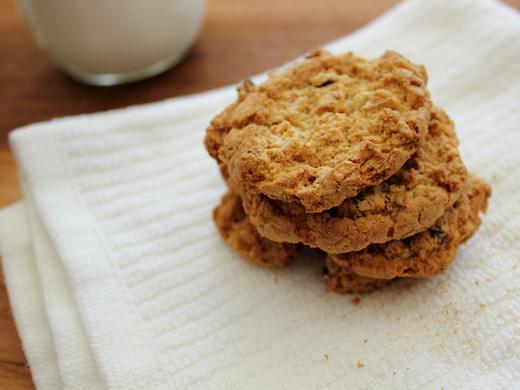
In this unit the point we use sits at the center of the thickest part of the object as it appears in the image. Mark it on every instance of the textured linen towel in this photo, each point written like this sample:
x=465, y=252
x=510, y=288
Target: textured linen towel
x=118, y=278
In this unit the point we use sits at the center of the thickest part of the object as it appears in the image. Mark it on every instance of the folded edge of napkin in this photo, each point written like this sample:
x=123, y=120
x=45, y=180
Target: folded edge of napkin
x=77, y=366
x=25, y=294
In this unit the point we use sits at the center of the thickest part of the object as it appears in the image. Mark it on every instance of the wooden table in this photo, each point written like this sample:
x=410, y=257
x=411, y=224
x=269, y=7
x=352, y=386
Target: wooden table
x=239, y=38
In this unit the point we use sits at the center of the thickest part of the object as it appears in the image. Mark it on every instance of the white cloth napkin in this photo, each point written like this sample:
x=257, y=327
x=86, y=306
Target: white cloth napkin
x=118, y=279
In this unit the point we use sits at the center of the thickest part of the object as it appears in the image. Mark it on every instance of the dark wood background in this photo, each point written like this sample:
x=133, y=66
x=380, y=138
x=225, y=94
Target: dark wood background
x=238, y=38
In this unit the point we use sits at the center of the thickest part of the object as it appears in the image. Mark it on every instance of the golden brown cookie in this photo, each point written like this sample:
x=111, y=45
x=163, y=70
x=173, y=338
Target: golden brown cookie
x=408, y=202
x=239, y=234
x=324, y=129
x=343, y=280
x=424, y=254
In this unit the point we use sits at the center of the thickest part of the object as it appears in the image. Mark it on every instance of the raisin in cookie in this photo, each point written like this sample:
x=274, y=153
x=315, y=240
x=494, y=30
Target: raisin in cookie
x=424, y=254
x=407, y=203
x=324, y=129
x=239, y=234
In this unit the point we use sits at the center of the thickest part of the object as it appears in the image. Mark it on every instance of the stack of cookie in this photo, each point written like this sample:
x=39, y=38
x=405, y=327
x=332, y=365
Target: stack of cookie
x=350, y=156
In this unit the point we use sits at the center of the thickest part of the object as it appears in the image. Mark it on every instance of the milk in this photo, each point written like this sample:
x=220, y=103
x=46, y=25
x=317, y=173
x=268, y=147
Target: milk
x=114, y=37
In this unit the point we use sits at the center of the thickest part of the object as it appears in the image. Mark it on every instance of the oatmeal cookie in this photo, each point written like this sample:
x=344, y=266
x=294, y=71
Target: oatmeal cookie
x=239, y=234
x=407, y=203
x=324, y=129
x=343, y=280
x=424, y=254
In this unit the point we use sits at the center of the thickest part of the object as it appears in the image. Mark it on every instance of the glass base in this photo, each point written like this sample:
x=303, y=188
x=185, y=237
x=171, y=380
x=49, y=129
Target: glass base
x=109, y=79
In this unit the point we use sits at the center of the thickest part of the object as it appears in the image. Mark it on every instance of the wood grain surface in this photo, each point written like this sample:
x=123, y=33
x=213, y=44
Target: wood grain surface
x=238, y=38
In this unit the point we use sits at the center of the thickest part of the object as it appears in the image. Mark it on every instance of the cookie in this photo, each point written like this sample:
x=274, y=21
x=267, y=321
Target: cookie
x=407, y=203
x=424, y=254
x=343, y=280
x=239, y=234
x=324, y=129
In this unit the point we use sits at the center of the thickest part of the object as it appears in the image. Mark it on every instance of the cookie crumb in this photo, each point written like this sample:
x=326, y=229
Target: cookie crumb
x=326, y=356
x=365, y=341
x=359, y=364
x=482, y=306
x=356, y=301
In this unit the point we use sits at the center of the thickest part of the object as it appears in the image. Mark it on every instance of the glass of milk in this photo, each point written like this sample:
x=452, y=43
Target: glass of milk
x=108, y=42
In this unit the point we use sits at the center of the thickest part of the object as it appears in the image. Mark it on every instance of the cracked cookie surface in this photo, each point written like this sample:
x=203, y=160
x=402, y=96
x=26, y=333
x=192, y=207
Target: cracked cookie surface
x=234, y=227
x=424, y=254
x=408, y=202
x=324, y=129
